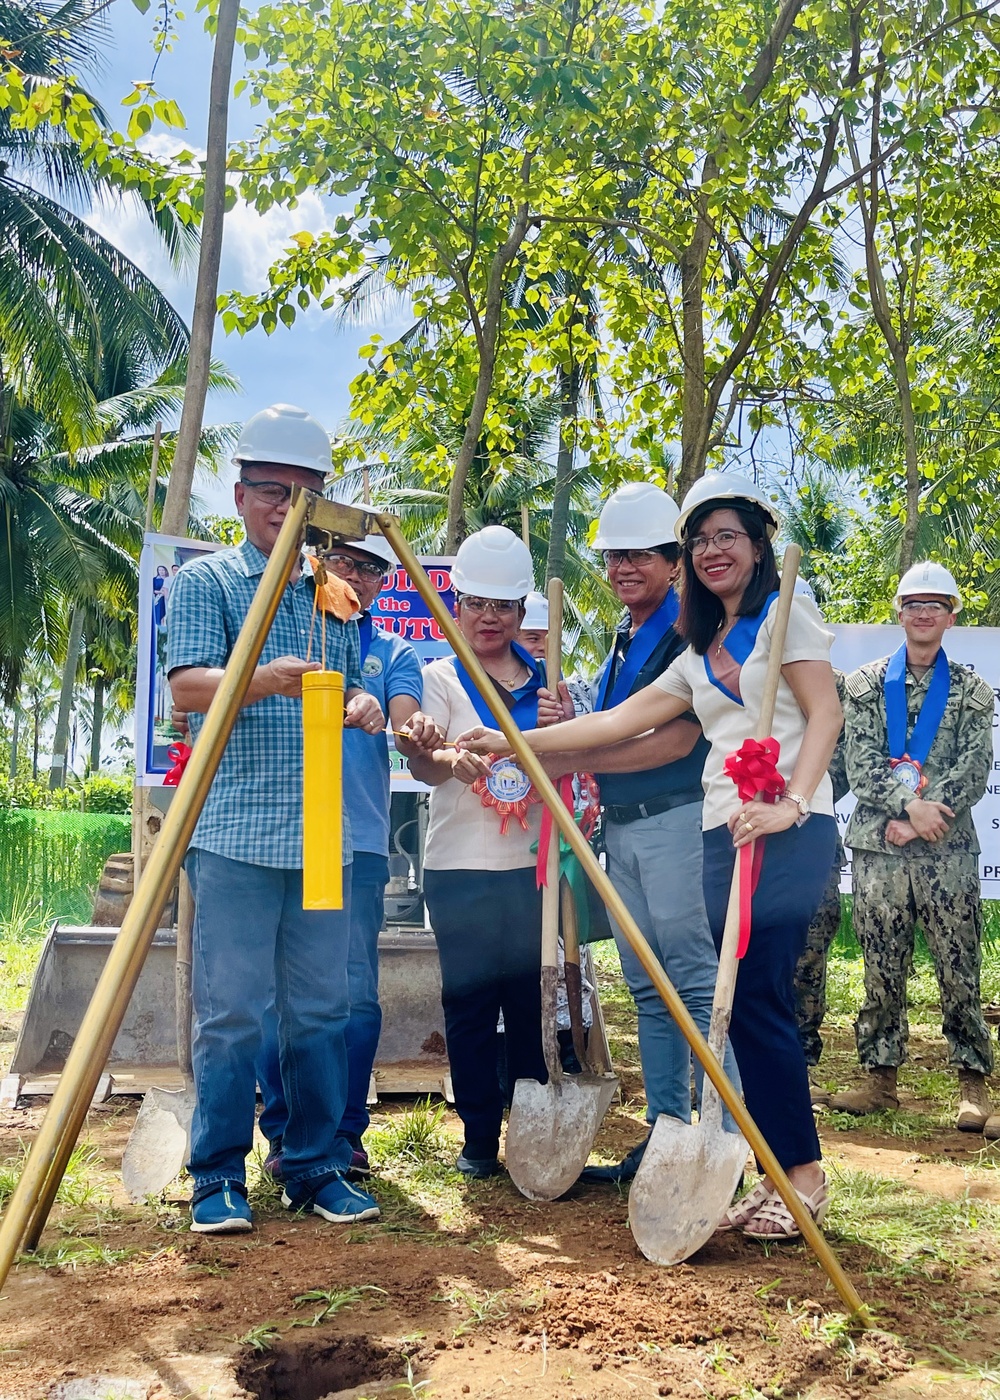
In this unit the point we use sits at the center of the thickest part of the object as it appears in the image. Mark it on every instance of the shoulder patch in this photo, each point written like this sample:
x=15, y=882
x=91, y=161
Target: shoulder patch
x=861, y=684
x=980, y=696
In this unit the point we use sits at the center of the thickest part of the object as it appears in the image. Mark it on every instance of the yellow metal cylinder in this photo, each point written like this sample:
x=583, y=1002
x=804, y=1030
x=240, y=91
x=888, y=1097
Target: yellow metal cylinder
x=322, y=790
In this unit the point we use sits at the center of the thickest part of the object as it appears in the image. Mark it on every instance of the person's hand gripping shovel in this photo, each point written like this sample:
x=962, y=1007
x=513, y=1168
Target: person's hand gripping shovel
x=689, y=1172
x=552, y=1126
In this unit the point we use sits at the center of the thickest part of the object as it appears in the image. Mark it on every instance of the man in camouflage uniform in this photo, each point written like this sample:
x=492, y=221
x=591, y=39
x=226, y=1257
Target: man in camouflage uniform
x=915, y=852
x=810, y=975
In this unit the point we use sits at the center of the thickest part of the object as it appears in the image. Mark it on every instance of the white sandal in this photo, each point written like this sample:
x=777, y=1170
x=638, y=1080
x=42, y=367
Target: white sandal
x=743, y=1210
x=775, y=1212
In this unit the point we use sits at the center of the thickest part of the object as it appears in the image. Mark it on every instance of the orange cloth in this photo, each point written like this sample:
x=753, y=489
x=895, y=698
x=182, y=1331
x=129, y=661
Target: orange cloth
x=333, y=594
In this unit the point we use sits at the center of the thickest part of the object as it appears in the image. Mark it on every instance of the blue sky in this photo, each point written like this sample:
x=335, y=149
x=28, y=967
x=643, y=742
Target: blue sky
x=313, y=363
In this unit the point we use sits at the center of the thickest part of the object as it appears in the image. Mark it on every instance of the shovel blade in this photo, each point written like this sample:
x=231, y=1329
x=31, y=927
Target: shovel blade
x=551, y=1130
x=683, y=1187
x=159, y=1142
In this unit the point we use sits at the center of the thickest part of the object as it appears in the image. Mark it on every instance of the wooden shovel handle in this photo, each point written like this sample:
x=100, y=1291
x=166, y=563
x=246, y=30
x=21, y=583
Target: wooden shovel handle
x=550, y=890
x=725, y=986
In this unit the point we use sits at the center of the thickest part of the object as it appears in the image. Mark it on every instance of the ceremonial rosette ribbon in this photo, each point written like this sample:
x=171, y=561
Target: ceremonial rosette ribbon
x=754, y=770
x=508, y=790
x=178, y=755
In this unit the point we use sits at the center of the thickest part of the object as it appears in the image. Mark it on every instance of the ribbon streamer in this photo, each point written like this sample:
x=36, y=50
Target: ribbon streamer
x=754, y=770
x=565, y=786
x=178, y=755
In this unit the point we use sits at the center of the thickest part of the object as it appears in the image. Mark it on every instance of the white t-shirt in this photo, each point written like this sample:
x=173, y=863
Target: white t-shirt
x=726, y=724
x=462, y=834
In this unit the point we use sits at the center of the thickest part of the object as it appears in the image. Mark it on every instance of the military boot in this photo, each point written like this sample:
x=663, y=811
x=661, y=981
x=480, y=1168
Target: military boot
x=878, y=1094
x=974, y=1108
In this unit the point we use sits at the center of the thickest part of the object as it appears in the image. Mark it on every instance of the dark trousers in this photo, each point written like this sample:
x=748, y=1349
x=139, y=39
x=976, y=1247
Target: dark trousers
x=764, y=1032
x=488, y=927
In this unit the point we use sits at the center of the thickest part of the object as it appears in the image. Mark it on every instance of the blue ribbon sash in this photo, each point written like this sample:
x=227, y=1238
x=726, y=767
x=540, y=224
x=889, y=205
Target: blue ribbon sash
x=915, y=748
x=641, y=648
x=740, y=642
x=524, y=710
x=365, y=629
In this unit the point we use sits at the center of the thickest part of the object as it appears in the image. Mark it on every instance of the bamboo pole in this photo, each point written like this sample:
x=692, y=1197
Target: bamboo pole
x=31, y=1202
x=532, y=766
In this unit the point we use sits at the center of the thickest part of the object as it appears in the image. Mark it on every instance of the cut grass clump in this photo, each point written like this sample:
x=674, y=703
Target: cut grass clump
x=84, y=1183
x=908, y=1229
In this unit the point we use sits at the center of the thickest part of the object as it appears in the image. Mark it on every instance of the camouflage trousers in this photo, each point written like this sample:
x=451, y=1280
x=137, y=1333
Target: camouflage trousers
x=941, y=893
x=810, y=974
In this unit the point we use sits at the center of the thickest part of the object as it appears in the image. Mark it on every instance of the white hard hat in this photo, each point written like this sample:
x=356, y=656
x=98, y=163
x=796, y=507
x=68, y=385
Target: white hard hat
x=493, y=563
x=636, y=516
x=929, y=577
x=379, y=546
x=536, y=613
x=723, y=487
x=284, y=436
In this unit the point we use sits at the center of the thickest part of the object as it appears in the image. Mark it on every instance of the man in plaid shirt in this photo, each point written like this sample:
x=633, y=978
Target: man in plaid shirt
x=252, y=937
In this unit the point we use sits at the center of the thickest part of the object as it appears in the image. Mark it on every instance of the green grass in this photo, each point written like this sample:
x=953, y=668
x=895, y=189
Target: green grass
x=413, y=1138
x=23, y=926
x=85, y=1182
x=908, y=1229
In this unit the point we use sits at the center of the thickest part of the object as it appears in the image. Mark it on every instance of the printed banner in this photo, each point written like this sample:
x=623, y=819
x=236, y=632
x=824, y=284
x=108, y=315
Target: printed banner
x=400, y=609
x=162, y=556
x=978, y=648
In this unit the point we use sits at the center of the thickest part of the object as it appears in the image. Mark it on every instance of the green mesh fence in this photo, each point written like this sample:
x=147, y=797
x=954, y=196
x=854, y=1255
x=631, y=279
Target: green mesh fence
x=53, y=860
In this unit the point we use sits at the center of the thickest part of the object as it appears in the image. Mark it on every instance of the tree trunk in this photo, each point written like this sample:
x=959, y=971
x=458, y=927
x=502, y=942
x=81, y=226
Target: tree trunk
x=569, y=394
x=911, y=524
x=695, y=428
x=34, y=748
x=96, y=725
x=15, y=734
x=176, y=509
x=57, y=773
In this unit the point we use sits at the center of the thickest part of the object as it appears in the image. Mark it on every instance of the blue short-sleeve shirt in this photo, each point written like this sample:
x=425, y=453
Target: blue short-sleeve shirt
x=253, y=811
x=390, y=668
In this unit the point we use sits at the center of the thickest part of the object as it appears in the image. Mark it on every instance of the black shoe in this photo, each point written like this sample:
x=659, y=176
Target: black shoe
x=478, y=1168
x=624, y=1171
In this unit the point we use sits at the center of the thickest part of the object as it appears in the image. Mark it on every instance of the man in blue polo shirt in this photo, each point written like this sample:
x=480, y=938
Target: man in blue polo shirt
x=391, y=672
x=651, y=799
x=252, y=938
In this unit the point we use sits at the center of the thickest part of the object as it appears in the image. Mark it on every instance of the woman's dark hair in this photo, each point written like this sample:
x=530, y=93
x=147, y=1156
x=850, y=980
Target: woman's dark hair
x=702, y=612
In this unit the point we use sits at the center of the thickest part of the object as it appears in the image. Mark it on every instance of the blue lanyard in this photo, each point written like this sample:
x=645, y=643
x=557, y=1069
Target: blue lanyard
x=524, y=710
x=931, y=711
x=365, y=629
x=740, y=642
x=643, y=644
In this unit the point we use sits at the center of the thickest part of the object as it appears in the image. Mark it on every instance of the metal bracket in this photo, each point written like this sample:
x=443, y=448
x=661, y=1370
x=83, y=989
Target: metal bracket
x=331, y=522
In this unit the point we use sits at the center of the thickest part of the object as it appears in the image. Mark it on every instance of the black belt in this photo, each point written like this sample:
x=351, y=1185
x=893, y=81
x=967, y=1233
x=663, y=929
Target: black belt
x=652, y=807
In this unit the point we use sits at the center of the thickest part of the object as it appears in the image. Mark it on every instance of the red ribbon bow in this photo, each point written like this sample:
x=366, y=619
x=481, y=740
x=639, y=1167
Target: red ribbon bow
x=178, y=755
x=754, y=770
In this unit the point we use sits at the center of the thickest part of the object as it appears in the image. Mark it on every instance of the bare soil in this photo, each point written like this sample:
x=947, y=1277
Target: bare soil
x=498, y=1296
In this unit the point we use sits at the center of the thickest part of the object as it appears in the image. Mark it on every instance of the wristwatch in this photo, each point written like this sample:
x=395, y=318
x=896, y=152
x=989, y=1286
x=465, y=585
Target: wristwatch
x=805, y=811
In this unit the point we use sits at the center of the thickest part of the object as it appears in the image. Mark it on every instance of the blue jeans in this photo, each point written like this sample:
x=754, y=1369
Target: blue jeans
x=253, y=942
x=369, y=875
x=655, y=865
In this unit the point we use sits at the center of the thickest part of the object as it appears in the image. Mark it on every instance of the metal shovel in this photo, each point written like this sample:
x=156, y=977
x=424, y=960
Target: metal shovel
x=552, y=1126
x=689, y=1172
x=160, y=1139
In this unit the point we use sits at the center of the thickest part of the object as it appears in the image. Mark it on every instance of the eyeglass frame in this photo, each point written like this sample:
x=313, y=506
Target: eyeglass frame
x=501, y=606
x=363, y=567
x=255, y=485
x=614, y=558
x=703, y=541
x=912, y=605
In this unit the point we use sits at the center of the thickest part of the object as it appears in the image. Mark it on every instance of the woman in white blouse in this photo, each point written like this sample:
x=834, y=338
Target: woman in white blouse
x=727, y=615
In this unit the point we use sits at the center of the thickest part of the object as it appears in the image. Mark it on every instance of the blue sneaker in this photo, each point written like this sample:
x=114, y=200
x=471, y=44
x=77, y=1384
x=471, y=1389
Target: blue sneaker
x=221, y=1208
x=333, y=1198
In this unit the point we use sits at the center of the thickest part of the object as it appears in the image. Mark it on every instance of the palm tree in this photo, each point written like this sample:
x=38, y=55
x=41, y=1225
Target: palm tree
x=69, y=300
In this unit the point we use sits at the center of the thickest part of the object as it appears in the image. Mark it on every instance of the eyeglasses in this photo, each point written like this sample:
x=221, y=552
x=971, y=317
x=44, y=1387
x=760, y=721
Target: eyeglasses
x=722, y=539
x=503, y=607
x=638, y=558
x=919, y=609
x=343, y=565
x=275, y=493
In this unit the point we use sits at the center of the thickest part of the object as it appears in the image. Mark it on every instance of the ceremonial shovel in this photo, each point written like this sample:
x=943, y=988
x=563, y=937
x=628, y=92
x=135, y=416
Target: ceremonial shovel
x=689, y=1172
x=158, y=1144
x=552, y=1126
